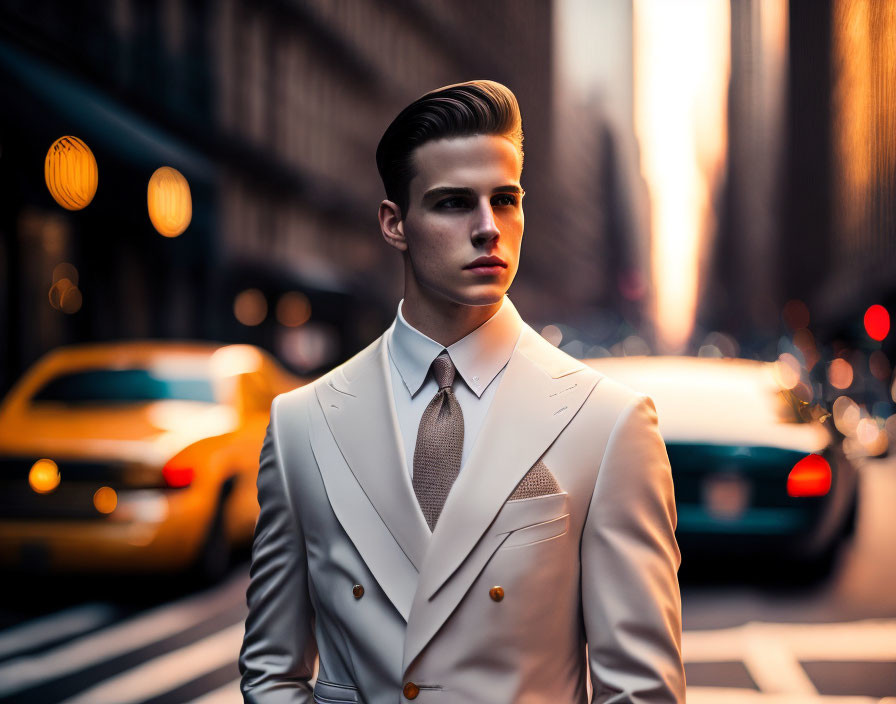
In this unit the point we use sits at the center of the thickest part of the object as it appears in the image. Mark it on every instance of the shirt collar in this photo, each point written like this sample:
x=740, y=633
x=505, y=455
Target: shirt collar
x=478, y=357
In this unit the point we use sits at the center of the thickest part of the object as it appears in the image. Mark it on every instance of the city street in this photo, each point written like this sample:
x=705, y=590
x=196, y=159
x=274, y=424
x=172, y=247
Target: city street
x=260, y=263
x=832, y=642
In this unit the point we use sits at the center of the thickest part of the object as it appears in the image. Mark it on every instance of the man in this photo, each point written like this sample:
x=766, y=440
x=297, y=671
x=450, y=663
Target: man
x=457, y=511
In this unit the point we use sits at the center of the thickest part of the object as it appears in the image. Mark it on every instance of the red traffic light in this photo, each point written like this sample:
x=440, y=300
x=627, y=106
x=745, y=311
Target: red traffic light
x=877, y=322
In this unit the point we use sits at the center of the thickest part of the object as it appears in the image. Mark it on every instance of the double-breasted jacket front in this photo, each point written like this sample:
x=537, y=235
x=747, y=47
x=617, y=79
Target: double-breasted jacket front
x=498, y=603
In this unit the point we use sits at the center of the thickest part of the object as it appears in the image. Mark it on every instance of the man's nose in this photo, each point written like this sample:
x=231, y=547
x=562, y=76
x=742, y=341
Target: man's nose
x=485, y=228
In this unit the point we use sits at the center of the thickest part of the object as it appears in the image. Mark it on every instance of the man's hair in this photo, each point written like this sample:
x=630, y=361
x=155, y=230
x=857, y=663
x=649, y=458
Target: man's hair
x=459, y=110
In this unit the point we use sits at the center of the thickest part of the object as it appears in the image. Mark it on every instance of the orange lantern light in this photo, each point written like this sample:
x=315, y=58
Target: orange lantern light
x=169, y=202
x=71, y=173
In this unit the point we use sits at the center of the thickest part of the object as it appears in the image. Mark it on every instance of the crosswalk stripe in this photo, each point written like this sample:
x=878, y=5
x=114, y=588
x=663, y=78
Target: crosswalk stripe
x=166, y=672
x=869, y=640
x=55, y=627
x=148, y=627
x=772, y=665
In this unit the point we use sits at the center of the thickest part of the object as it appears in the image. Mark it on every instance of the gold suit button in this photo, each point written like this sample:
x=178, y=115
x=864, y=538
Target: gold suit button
x=496, y=593
x=358, y=591
x=410, y=690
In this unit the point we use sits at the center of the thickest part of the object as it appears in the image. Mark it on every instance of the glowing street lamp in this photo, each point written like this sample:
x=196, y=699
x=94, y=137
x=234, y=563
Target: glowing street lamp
x=71, y=173
x=169, y=202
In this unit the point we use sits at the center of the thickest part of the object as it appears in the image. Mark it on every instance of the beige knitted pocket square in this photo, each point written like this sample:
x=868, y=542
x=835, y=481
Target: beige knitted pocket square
x=538, y=482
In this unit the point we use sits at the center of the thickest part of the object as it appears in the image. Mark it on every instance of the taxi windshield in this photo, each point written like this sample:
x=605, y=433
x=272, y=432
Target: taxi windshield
x=114, y=386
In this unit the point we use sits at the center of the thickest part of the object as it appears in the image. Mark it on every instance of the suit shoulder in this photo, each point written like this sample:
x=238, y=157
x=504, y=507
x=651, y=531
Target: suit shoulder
x=621, y=393
x=611, y=399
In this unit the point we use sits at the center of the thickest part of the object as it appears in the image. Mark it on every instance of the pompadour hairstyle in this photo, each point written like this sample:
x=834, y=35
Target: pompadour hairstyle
x=459, y=110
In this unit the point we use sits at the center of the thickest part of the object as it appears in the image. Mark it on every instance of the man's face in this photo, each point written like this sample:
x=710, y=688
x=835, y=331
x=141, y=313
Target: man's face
x=465, y=204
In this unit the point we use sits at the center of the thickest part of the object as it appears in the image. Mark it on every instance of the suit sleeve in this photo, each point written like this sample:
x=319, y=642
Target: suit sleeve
x=631, y=601
x=277, y=656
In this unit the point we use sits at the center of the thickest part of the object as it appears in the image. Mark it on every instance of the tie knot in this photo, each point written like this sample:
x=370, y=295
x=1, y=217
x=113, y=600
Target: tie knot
x=443, y=370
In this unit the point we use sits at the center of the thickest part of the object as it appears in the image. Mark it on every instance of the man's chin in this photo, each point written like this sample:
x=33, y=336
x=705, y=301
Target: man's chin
x=478, y=296
x=481, y=298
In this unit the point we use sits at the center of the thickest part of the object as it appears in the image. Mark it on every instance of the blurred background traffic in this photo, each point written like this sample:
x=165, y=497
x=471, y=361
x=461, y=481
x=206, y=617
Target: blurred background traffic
x=188, y=227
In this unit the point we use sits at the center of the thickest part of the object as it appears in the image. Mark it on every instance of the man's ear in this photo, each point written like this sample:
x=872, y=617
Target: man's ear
x=392, y=225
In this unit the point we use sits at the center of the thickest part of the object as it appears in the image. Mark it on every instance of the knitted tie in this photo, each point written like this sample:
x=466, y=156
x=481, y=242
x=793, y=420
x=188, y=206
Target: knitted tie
x=440, y=442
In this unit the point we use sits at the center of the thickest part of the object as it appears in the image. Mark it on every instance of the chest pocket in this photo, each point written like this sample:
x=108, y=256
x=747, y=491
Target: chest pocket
x=532, y=520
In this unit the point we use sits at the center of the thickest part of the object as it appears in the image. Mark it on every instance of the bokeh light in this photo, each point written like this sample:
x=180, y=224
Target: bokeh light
x=65, y=270
x=65, y=296
x=235, y=359
x=890, y=427
x=293, y=309
x=635, y=346
x=872, y=436
x=552, y=334
x=877, y=322
x=709, y=351
x=719, y=344
x=169, y=202
x=308, y=346
x=879, y=366
x=846, y=415
x=840, y=374
x=811, y=476
x=105, y=499
x=805, y=341
x=795, y=314
x=71, y=173
x=71, y=300
x=44, y=476
x=250, y=307
x=787, y=371
x=597, y=351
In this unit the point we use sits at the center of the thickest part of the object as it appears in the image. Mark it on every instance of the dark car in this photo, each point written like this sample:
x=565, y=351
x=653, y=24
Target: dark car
x=754, y=472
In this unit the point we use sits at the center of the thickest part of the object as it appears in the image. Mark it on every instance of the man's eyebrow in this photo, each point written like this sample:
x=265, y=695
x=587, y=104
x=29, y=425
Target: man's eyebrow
x=440, y=191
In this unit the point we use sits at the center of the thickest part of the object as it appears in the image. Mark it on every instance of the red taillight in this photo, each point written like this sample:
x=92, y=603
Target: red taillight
x=811, y=476
x=177, y=475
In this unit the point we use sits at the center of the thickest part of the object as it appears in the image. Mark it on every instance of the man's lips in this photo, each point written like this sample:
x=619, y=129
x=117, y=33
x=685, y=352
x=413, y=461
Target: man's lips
x=486, y=263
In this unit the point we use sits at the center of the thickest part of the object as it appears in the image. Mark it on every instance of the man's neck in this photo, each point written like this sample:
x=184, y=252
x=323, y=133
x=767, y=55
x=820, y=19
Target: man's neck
x=446, y=322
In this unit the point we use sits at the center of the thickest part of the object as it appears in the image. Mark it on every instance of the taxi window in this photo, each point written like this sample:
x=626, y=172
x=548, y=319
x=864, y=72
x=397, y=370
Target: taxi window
x=100, y=386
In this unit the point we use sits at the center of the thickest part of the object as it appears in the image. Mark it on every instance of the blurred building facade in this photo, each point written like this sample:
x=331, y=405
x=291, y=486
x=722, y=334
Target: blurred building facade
x=861, y=254
x=596, y=262
x=744, y=288
x=812, y=176
x=272, y=110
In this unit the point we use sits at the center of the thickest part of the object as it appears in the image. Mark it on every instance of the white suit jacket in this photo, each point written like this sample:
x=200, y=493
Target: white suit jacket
x=345, y=567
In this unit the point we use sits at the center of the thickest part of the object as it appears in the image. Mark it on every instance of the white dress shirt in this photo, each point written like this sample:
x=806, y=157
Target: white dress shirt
x=480, y=359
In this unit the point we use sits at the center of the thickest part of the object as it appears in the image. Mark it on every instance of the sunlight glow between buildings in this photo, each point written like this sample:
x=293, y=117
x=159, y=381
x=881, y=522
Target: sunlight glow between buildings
x=682, y=59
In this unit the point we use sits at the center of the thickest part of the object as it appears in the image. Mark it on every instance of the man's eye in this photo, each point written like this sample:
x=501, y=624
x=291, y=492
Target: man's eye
x=504, y=199
x=452, y=203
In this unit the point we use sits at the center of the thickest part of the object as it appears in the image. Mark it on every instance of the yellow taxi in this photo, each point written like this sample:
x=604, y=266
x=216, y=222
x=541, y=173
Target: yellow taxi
x=134, y=456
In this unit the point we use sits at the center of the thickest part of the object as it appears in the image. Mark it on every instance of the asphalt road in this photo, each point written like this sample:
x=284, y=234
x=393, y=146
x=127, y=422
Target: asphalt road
x=760, y=637
x=751, y=637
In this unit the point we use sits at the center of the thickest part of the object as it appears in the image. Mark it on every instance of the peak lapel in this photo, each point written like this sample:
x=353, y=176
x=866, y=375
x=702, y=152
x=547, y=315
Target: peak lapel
x=542, y=389
x=359, y=408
